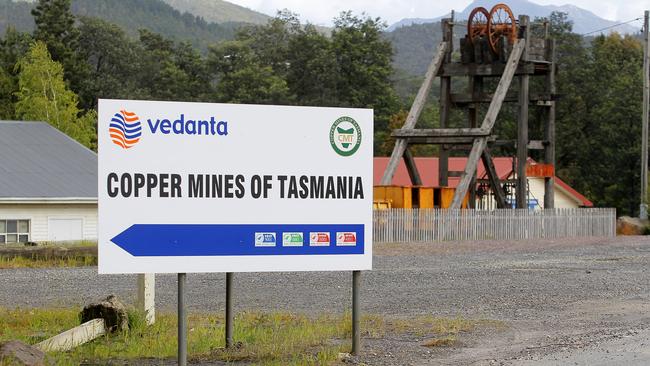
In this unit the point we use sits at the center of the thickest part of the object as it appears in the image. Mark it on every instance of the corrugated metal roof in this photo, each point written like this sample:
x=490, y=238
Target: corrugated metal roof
x=39, y=161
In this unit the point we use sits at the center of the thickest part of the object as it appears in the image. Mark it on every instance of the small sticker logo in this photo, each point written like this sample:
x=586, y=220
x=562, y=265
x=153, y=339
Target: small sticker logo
x=346, y=239
x=264, y=239
x=292, y=239
x=319, y=239
x=345, y=136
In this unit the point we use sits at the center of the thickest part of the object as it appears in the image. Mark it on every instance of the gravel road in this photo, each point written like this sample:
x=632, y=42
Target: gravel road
x=577, y=302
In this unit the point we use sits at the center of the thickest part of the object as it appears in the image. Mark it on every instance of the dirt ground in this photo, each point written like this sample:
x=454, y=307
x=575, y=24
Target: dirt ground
x=561, y=302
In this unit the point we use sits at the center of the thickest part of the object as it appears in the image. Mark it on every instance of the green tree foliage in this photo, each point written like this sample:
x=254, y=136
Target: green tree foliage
x=12, y=48
x=55, y=26
x=242, y=78
x=598, y=115
x=113, y=62
x=364, y=60
x=312, y=73
x=43, y=96
x=608, y=163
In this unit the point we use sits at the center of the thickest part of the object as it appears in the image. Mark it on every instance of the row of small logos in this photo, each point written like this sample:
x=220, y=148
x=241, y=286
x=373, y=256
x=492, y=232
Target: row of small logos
x=296, y=239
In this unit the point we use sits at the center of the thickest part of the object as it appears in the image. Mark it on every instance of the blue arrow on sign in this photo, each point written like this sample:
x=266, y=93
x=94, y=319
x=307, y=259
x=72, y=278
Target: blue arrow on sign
x=142, y=240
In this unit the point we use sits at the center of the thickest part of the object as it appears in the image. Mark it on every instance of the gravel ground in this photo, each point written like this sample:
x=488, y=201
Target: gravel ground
x=578, y=301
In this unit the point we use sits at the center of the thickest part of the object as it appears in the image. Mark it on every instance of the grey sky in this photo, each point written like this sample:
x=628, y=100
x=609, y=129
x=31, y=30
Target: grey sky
x=322, y=11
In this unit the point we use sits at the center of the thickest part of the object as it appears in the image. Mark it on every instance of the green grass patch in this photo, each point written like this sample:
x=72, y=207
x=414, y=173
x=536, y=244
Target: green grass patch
x=262, y=338
x=75, y=254
x=44, y=262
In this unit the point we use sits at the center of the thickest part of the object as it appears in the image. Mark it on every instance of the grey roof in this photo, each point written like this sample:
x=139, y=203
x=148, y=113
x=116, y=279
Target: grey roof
x=39, y=161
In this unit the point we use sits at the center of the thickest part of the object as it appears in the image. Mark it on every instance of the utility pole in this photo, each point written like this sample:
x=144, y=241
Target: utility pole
x=643, y=207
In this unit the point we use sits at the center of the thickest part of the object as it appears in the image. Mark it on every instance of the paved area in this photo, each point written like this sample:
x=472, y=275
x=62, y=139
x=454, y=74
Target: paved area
x=576, y=302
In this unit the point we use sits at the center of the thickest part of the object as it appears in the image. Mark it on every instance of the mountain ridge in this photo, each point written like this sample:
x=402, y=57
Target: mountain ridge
x=584, y=21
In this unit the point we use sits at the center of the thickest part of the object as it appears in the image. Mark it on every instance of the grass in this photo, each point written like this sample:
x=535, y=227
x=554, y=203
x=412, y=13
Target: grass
x=22, y=262
x=76, y=254
x=263, y=338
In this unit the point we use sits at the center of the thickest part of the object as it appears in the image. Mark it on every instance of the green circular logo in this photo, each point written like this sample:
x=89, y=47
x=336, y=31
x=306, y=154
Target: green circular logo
x=345, y=136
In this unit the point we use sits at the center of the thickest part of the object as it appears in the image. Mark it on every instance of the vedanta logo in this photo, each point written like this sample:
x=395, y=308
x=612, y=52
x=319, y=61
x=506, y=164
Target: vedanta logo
x=125, y=129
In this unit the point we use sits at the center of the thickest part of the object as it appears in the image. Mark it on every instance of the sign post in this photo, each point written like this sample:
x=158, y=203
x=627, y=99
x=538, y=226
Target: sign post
x=229, y=315
x=356, y=313
x=182, y=321
x=203, y=187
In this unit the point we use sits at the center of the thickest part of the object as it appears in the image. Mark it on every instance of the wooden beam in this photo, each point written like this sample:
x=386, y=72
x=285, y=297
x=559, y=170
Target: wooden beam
x=440, y=132
x=494, y=70
x=480, y=143
x=414, y=113
x=521, y=196
x=465, y=98
x=412, y=168
x=549, y=129
x=442, y=140
x=493, y=177
x=445, y=106
x=74, y=337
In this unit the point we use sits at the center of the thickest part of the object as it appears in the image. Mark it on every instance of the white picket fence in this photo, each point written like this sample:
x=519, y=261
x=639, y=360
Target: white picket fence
x=429, y=225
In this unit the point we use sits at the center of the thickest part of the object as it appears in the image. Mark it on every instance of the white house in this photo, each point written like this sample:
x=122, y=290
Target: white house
x=48, y=185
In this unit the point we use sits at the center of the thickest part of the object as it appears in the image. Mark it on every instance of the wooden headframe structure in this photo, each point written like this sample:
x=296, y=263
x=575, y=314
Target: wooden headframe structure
x=526, y=57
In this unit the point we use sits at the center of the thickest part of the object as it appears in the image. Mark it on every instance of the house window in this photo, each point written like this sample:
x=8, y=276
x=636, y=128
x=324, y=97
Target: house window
x=14, y=231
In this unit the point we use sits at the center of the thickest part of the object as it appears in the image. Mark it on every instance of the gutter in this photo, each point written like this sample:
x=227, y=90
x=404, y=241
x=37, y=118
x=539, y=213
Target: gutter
x=48, y=200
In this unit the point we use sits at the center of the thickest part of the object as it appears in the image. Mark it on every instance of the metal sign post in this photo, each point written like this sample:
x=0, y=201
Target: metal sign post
x=356, y=313
x=229, y=313
x=182, y=321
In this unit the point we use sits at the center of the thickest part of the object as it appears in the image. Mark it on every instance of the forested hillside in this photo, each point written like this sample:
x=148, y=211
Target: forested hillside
x=219, y=11
x=80, y=59
x=130, y=15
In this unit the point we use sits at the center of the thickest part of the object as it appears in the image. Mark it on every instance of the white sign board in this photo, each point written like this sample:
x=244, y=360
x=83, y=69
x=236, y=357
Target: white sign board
x=201, y=187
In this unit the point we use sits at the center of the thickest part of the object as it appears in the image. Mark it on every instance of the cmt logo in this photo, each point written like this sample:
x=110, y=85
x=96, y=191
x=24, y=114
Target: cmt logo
x=125, y=129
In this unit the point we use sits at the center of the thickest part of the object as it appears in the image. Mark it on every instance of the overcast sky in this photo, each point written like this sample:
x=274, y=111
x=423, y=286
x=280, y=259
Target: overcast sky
x=321, y=12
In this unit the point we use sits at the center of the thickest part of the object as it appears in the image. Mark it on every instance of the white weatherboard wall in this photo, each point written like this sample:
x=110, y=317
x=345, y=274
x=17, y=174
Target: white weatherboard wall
x=40, y=216
x=562, y=199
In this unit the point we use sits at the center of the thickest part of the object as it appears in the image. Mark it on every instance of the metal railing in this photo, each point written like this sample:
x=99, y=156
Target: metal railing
x=429, y=225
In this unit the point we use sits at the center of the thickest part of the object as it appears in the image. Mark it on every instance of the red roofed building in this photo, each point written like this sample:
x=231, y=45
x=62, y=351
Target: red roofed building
x=565, y=196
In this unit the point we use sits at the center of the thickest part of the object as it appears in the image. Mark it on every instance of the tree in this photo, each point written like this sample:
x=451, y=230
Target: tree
x=271, y=41
x=241, y=78
x=172, y=72
x=43, y=96
x=364, y=60
x=312, y=74
x=13, y=46
x=113, y=61
x=55, y=26
x=608, y=163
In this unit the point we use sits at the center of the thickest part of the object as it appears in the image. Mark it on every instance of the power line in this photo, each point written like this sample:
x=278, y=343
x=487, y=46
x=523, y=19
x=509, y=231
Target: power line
x=612, y=26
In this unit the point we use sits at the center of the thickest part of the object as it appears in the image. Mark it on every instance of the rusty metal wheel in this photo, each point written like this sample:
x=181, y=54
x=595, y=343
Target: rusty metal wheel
x=477, y=24
x=501, y=22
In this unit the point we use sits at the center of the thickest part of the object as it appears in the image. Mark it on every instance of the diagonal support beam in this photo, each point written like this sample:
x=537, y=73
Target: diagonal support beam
x=411, y=168
x=493, y=177
x=488, y=123
x=414, y=113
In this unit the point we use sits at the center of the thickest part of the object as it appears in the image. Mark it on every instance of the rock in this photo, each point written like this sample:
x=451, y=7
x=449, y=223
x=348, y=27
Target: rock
x=19, y=353
x=111, y=310
x=344, y=357
x=626, y=225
